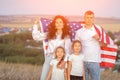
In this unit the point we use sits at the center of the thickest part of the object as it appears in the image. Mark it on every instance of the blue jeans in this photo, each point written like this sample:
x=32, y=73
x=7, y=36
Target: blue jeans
x=92, y=69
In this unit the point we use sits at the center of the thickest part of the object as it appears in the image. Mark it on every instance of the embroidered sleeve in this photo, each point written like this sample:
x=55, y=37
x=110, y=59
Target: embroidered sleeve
x=37, y=35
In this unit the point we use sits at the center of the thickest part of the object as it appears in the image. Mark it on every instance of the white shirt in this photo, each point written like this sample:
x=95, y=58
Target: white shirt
x=57, y=74
x=90, y=46
x=54, y=43
x=77, y=64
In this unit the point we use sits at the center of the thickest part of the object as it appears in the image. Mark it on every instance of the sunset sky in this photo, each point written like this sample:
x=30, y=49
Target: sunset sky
x=102, y=8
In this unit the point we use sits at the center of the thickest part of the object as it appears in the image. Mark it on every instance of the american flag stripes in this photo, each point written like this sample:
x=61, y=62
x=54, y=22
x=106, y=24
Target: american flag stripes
x=109, y=52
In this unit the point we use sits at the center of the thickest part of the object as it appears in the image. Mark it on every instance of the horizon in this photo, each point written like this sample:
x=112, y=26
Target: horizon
x=58, y=14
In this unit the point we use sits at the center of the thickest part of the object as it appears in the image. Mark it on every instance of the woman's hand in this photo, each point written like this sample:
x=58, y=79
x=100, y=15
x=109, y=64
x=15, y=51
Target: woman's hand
x=37, y=20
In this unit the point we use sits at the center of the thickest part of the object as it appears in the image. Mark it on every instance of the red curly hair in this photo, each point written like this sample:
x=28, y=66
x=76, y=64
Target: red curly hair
x=52, y=30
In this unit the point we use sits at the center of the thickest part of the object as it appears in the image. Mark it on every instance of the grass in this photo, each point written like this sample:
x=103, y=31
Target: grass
x=10, y=71
x=110, y=75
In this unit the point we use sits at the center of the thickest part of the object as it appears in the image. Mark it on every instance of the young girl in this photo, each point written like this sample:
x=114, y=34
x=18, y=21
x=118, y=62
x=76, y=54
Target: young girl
x=75, y=62
x=55, y=72
x=58, y=35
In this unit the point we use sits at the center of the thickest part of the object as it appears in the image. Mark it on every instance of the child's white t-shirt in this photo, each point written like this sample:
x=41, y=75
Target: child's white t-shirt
x=57, y=74
x=77, y=64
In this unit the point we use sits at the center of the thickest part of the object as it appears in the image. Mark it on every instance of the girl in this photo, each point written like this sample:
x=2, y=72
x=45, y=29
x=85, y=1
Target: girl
x=75, y=62
x=55, y=72
x=58, y=35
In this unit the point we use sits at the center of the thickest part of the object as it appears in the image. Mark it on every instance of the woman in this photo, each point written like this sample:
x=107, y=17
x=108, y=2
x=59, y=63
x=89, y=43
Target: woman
x=58, y=35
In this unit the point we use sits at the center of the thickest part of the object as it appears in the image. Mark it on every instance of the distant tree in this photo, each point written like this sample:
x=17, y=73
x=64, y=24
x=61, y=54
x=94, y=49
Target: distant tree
x=118, y=42
x=111, y=35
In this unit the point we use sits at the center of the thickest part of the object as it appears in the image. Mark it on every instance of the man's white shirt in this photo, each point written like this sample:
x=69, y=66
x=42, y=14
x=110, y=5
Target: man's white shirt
x=90, y=46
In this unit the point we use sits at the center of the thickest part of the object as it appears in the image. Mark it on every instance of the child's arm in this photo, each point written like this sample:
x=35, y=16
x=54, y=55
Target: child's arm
x=83, y=70
x=65, y=73
x=49, y=73
x=69, y=69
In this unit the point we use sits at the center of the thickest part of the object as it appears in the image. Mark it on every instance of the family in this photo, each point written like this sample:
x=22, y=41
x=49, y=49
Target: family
x=70, y=60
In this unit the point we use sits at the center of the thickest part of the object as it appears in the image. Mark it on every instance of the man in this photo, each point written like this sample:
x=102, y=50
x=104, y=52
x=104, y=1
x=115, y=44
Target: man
x=90, y=46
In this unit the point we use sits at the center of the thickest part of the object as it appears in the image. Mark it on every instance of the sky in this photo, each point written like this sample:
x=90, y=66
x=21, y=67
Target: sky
x=101, y=8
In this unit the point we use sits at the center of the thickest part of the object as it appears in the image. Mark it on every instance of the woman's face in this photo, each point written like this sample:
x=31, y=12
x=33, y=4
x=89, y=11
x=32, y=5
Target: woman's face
x=59, y=24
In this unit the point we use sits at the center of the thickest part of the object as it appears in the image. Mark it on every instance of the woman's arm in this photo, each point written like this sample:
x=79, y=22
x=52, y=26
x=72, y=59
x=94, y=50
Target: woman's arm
x=67, y=48
x=69, y=69
x=49, y=73
x=36, y=34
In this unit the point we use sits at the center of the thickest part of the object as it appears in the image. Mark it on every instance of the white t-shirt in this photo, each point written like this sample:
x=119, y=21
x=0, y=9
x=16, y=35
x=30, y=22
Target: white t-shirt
x=57, y=74
x=77, y=64
x=90, y=46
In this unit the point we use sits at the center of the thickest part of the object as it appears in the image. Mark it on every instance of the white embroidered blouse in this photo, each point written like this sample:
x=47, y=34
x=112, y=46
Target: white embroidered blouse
x=54, y=43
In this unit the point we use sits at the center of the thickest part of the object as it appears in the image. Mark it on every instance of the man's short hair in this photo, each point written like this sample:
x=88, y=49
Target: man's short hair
x=89, y=12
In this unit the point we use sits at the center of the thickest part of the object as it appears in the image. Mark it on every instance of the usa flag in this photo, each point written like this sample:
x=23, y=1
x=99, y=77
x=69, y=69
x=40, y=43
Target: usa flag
x=109, y=53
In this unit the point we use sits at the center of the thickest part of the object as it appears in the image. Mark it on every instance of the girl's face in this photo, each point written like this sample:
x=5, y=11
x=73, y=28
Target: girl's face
x=77, y=47
x=60, y=53
x=59, y=24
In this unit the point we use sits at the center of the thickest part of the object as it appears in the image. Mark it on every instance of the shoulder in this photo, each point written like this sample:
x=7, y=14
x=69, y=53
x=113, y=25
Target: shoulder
x=97, y=26
x=82, y=55
x=53, y=61
x=71, y=56
x=67, y=37
x=79, y=30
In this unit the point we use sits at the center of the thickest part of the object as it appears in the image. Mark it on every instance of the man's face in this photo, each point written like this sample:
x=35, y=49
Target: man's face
x=89, y=19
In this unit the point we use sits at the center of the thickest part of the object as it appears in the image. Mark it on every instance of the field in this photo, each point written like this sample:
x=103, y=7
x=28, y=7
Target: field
x=111, y=27
x=107, y=27
x=26, y=21
x=9, y=71
x=17, y=25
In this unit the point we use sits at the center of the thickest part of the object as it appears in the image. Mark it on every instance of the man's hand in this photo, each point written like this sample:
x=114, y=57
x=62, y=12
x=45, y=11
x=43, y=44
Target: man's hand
x=103, y=44
x=96, y=36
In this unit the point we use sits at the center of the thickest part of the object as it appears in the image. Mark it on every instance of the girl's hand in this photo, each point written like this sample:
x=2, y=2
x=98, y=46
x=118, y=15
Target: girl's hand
x=63, y=64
